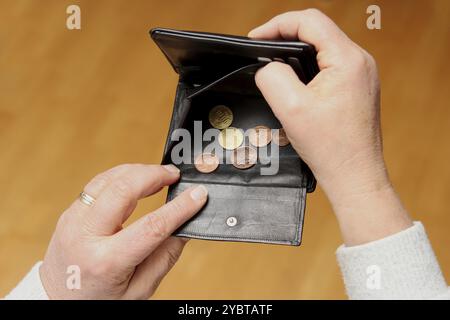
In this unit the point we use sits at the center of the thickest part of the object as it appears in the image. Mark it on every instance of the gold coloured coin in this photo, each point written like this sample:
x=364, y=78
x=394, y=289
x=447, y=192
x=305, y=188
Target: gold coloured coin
x=260, y=136
x=220, y=117
x=244, y=157
x=231, y=138
x=206, y=162
x=280, y=138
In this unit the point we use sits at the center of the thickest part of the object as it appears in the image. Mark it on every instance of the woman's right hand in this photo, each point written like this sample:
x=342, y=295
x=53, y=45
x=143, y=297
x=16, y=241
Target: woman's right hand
x=333, y=122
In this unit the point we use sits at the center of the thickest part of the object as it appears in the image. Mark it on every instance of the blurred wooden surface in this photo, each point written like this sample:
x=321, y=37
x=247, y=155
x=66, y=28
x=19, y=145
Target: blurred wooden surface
x=74, y=103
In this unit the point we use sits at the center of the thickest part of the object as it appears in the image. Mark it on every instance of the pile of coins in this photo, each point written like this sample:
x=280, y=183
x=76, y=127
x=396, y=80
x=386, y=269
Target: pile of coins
x=231, y=138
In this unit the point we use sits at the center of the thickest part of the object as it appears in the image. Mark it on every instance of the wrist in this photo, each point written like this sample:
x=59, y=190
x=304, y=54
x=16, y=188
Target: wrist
x=371, y=216
x=48, y=282
x=366, y=205
x=349, y=184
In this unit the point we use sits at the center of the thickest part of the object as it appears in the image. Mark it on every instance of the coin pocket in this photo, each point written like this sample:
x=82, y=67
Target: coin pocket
x=249, y=111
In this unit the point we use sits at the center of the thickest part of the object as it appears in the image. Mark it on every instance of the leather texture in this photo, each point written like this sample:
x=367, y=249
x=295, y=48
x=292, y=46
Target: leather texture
x=219, y=69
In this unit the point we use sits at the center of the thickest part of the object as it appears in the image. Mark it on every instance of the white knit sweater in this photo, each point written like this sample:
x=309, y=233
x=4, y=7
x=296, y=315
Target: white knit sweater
x=401, y=266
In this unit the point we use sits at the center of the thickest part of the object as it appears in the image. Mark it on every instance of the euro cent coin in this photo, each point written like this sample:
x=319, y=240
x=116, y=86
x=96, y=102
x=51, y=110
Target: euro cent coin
x=244, y=157
x=206, y=162
x=220, y=117
x=280, y=138
x=260, y=136
x=231, y=138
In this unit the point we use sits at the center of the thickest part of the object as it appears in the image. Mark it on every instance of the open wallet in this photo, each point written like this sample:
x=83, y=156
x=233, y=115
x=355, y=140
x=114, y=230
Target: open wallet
x=243, y=205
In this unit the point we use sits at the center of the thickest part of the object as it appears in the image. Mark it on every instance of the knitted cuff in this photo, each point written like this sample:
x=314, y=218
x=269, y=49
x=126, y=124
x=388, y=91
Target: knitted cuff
x=30, y=288
x=400, y=266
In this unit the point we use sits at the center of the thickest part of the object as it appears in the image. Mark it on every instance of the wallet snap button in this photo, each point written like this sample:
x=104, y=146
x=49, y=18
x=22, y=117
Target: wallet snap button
x=231, y=221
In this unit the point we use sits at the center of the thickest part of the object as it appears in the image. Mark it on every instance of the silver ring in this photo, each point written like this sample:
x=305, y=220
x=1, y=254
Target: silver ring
x=86, y=199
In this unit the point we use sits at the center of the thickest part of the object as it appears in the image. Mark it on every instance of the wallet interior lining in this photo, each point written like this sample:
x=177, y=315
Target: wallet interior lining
x=247, y=68
x=238, y=91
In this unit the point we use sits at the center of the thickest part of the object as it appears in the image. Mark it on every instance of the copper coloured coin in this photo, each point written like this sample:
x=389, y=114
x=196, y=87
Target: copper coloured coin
x=280, y=138
x=260, y=136
x=206, y=162
x=244, y=157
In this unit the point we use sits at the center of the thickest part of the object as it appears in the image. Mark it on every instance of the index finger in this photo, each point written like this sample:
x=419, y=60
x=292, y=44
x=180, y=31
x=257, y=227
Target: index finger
x=311, y=26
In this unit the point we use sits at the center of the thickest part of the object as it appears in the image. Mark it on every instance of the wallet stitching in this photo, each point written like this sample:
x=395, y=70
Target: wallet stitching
x=235, y=198
x=253, y=184
x=299, y=211
x=214, y=236
x=299, y=215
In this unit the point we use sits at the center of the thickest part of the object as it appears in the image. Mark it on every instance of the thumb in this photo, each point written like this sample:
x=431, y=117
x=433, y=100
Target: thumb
x=282, y=89
x=140, y=239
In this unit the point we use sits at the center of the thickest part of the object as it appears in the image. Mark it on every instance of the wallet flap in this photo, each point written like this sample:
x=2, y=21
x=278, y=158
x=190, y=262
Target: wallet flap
x=189, y=52
x=265, y=214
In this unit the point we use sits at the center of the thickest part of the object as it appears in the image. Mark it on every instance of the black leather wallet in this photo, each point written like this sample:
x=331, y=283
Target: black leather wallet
x=243, y=205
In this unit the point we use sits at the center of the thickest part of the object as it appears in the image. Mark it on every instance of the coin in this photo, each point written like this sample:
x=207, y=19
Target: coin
x=230, y=138
x=244, y=157
x=260, y=136
x=279, y=137
x=220, y=117
x=206, y=162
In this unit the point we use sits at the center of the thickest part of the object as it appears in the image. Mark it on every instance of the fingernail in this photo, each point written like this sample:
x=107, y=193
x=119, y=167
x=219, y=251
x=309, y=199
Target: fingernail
x=199, y=193
x=171, y=168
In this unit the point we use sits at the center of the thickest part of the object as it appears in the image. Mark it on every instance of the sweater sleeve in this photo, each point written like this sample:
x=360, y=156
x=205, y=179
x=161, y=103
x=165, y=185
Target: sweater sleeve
x=30, y=288
x=401, y=266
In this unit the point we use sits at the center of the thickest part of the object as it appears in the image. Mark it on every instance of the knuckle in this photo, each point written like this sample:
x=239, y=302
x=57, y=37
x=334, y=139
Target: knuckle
x=157, y=173
x=172, y=258
x=98, y=182
x=153, y=287
x=176, y=205
x=358, y=58
x=360, y=61
x=157, y=226
x=124, y=167
x=123, y=188
x=64, y=220
x=293, y=103
x=64, y=235
x=313, y=12
x=372, y=63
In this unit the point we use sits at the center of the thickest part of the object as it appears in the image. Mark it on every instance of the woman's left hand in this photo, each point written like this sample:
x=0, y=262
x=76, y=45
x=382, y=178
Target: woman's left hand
x=116, y=262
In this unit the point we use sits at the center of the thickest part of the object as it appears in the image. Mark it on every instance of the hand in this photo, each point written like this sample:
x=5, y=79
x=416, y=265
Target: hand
x=116, y=262
x=333, y=122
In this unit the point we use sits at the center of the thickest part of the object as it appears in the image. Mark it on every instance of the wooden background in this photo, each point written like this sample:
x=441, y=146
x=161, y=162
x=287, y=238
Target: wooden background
x=74, y=103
